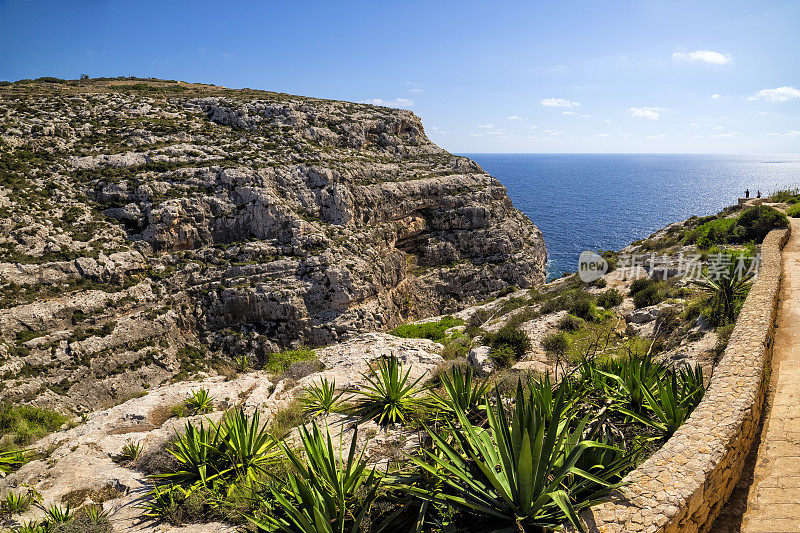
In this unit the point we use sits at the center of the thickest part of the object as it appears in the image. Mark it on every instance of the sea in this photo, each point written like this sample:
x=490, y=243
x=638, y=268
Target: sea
x=606, y=201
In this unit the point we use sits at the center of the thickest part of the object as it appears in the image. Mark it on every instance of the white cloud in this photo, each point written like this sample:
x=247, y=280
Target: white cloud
x=604, y=135
x=704, y=56
x=397, y=102
x=486, y=126
x=514, y=117
x=715, y=96
x=553, y=132
x=558, y=102
x=568, y=113
x=791, y=133
x=415, y=90
x=694, y=125
x=586, y=116
x=434, y=129
x=781, y=94
x=651, y=113
x=500, y=133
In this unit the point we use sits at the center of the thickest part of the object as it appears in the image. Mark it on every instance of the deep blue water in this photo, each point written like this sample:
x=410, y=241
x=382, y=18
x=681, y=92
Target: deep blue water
x=605, y=201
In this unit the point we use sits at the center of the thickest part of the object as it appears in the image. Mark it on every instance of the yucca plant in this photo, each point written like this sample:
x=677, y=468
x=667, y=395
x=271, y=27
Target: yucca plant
x=388, y=397
x=200, y=402
x=239, y=446
x=248, y=446
x=33, y=526
x=55, y=514
x=325, y=493
x=16, y=503
x=243, y=363
x=95, y=514
x=321, y=398
x=462, y=389
x=130, y=451
x=678, y=393
x=727, y=287
x=11, y=460
x=518, y=470
x=198, y=452
x=631, y=377
x=163, y=501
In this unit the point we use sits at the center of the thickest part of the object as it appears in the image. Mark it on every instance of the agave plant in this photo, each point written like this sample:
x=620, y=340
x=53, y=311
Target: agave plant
x=462, y=389
x=678, y=393
x=130, y=451
x=198, y=451
x=95, y=514
x=200, y=402
x=248, y=447
x=323, y=493
x=519, y=470
x=33, y=526
x=11, y=460
x=16, y=503
x=631, y=377
x=239, y=446
x=55, y=514
x=163, y=501
x=727, y=287
x=388, y=397
x=321, y=398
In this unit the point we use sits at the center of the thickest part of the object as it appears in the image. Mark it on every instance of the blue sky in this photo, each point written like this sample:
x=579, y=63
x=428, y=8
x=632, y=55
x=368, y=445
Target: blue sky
x=614, y=76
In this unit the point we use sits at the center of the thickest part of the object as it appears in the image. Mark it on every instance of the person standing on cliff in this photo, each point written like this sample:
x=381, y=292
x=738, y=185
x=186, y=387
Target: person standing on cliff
x=758, y=195
x=747, y=193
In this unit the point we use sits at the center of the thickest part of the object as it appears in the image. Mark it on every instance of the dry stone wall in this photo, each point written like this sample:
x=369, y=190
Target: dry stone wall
x=684, y=484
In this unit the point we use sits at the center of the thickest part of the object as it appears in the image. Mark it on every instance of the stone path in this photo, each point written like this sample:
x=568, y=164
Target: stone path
x=773, y=501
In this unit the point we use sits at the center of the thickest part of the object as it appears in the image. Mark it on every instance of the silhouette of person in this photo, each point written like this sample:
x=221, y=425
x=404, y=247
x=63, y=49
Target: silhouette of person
x=758, y=195
x=747, y=193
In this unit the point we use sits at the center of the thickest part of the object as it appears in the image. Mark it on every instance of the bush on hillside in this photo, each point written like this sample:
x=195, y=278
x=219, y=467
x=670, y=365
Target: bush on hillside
x=610, y=298
x=434, y=331
x=758, y=221
x=750, y=226
x=794, y=211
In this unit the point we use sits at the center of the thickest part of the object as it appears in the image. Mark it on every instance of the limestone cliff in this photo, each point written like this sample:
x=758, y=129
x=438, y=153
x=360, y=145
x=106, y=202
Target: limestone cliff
x=153, y=229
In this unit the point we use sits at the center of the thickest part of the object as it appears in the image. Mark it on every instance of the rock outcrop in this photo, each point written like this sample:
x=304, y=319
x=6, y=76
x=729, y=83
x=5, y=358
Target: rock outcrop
x=153, y=229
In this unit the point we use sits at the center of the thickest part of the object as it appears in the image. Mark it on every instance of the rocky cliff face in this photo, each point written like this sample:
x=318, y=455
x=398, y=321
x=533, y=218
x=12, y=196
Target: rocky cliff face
x=158, y=229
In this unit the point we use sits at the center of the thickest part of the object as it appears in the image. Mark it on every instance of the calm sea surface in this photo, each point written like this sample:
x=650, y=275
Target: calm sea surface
x=605, y=201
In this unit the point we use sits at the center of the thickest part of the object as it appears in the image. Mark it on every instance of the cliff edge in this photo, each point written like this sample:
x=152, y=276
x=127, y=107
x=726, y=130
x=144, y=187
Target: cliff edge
x=154, y=229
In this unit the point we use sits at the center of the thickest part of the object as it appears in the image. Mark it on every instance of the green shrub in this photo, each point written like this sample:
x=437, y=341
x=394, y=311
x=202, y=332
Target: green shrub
x=556, y=343
x=786, y=196
x=22, y=424
x=434, y=331
x=516, y=339
x=610, y=298
x=503, y=356
x=279, y=361
x=647, y=292
x=583, y=307
x=650, y=295
x=287, y=419
x=714, y=232
x=757, y=221
x=569, y=323
x=794, y=211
